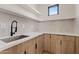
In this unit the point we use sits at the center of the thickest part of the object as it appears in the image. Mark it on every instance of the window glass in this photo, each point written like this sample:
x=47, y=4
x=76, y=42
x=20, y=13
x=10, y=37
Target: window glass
x=52, y=10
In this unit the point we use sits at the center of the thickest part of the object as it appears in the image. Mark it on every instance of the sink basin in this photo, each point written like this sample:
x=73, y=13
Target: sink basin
x=14, y=38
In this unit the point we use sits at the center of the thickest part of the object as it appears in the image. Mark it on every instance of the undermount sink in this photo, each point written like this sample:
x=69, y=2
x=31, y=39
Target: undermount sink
x=14, y=38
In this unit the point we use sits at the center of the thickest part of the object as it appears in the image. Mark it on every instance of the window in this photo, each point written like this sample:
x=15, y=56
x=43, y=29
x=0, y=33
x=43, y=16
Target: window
x=52, y=10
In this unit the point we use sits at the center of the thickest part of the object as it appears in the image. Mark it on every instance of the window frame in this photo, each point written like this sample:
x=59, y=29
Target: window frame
x=57, y=9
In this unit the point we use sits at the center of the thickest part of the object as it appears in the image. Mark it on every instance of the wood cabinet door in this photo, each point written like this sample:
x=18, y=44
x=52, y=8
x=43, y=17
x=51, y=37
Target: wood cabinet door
x=40, y=44
x=56, y=44
x=21, y=48
x=68, y=44
x=31, y=47
x=12, y=50
x=77, y=45
x=27, y=47
x=47, y=42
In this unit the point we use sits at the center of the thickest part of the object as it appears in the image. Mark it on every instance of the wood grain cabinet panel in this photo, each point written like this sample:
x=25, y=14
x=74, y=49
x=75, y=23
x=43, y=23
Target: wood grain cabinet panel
x=40, y=44
x=12, y=50
x=31, y=47
x=21, y=48
x=61, y=44
x=27, y=47
x=56, y=44
x=68, y=44
x=47, y=42
x=77, y=45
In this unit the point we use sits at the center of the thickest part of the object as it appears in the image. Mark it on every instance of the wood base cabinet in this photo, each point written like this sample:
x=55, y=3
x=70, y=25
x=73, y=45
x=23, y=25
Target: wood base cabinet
x=61, y=44
x=51, y=43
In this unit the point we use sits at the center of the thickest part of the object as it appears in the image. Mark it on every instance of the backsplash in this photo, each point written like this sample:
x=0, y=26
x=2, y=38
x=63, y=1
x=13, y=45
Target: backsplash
x=57, y=26
x=24, y=24
x=27, y=25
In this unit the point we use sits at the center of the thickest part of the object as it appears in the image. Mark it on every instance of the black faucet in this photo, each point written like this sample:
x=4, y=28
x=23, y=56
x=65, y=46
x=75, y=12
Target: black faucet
x=13, y=27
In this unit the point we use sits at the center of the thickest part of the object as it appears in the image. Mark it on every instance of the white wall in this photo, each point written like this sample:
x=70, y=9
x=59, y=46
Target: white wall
x=59, y=23
x=24, y=24
x=60, y=26
x=27, y=25
x=65, y=11
x=76, y=21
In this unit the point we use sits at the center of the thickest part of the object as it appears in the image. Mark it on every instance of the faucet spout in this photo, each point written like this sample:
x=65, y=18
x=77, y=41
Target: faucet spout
x=13, y=28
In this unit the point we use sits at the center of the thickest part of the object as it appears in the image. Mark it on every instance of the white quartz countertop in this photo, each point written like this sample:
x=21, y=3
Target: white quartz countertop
x=31, y=35
x=69, y=34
